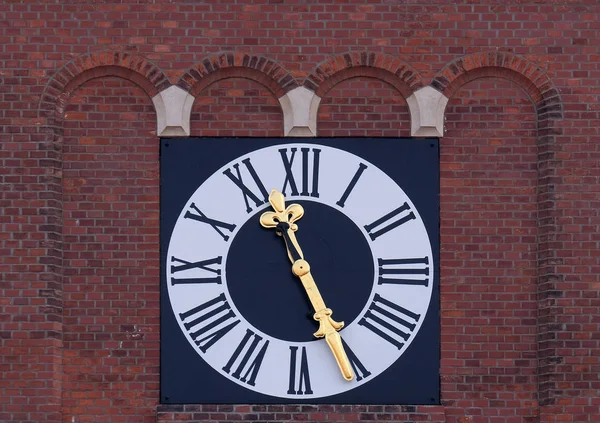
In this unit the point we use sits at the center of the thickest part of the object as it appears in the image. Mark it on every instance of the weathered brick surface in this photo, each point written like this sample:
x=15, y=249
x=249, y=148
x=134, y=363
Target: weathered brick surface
x=519, y=202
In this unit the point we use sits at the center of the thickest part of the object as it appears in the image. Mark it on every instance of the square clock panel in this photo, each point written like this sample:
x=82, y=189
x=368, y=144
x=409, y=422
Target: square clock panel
x=300, y=272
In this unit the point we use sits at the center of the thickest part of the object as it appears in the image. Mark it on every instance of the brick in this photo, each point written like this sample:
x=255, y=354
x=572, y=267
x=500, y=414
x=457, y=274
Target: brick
x=519, y=186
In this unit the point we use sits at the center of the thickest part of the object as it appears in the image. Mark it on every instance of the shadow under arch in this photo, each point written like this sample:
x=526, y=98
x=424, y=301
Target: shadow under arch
x=526, y=74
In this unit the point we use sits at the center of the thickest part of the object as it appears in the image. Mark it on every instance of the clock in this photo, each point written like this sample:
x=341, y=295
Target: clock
x=267, y=242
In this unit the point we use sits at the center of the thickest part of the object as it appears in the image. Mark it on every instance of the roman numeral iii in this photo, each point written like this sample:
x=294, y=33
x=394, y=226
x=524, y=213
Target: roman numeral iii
x=307, y=159
x=411, y=271
x=389, y=321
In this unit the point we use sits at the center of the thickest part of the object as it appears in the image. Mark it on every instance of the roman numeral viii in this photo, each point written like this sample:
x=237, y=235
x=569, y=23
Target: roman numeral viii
x=211, y=321
x=288, y=161
x=390, y=221
x=259, y=198
x=411, y=271
x=249, y=365
x=203, y=264
x=390, y=321
x=303, y=376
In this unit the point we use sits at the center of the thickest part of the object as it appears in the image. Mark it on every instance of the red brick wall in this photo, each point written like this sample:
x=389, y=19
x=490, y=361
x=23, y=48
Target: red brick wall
x=488, y=257
x=519, y=204
x=110, y=194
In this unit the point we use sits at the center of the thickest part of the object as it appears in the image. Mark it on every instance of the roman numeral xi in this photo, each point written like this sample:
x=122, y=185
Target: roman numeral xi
x=256, y=192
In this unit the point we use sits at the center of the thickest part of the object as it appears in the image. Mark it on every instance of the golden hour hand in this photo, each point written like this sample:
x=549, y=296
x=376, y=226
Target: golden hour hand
x=283, y=220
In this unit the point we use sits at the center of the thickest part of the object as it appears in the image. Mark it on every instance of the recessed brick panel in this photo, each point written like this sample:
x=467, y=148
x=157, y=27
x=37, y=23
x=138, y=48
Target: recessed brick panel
x=111, y=296
x=236, y=107
x=361, y=107
x=488, y=256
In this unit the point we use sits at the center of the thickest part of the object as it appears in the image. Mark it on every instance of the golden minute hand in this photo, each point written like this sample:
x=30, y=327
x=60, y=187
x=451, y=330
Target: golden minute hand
x=283, y=221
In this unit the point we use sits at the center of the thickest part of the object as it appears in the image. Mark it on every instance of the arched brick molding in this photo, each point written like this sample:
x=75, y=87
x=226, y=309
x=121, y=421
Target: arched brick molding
x=337, y=69
x=374, y=65
x=549, y=111
x=238, y=65
x=134, y=68
x=530, y=77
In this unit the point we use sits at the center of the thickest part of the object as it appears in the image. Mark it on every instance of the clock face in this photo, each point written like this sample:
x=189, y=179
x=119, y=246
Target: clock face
x=229, y=292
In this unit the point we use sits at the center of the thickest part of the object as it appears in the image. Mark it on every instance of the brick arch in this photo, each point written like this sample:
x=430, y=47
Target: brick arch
x=134, y=68
x=238, y=65
x=374, y=65
x=504, y=65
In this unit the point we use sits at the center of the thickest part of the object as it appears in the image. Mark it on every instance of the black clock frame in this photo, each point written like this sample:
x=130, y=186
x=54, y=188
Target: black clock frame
x=186, y=162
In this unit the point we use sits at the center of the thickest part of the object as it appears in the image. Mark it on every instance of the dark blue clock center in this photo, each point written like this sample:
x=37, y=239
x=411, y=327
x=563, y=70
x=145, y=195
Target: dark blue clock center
x=264, y=290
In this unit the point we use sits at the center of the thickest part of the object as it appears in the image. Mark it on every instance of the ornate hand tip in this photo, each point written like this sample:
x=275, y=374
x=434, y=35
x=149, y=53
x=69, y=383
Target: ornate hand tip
x=269, y=220
x=277, y=200
x=281, y=214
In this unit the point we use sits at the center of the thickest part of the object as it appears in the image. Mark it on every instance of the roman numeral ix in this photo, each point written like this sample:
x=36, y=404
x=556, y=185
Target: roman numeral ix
x=203, y=264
